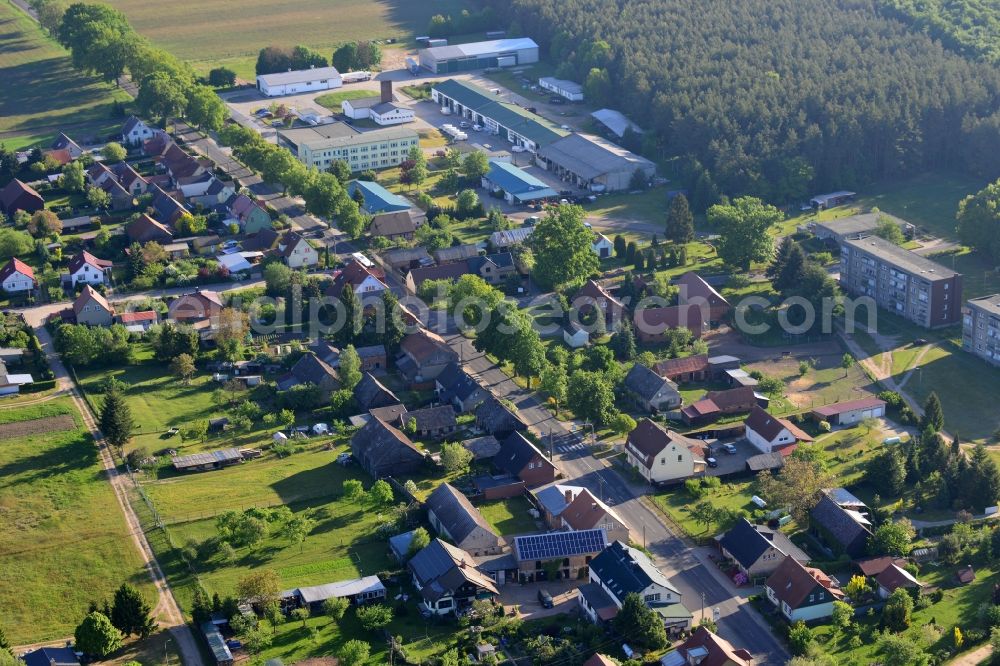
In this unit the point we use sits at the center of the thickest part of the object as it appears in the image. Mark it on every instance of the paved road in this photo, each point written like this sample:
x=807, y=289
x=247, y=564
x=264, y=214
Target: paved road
x=687, y=566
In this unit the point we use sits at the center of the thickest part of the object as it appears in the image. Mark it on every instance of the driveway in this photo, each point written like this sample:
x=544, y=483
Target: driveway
x=525, y=597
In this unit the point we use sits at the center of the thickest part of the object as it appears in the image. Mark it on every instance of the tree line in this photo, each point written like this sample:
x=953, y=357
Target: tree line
x=102, y=42
x=776, y=99
x=350, y=56
x=970, y=27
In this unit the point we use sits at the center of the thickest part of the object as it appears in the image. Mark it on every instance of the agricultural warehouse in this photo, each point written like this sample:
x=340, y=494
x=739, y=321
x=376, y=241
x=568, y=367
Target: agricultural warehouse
x=509, y=121
x=300, y=81
x=375, y=149
x=590, y=162
x=479, y=55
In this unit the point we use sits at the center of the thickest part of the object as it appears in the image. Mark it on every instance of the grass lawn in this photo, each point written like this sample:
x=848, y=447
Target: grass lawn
x=332, y=100
x=230, y=33
x=50, y=93
x=931, y=627
x=509, y=516
x=65, y=540
x=677, y=503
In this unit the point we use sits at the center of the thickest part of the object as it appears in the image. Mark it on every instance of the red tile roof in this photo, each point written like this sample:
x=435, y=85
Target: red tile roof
x=769, y=427
x=90, y=294
x=792, y=583
x=87, y=258
x=15, y=265
x=654, y=321
x=720, y=651
x=649, y=438
x=670, y=368
x=134, y=317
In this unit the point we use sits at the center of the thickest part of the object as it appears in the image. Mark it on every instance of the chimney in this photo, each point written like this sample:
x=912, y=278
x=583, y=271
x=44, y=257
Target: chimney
x=386, y=92
x=569, y=495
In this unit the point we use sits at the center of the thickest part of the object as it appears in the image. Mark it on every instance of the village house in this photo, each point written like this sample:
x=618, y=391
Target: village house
x=592, y=295
x=801, y=593
x=456, y=386
x=599, y=659
x=447, y=255
x=769, y=433
x=373, y=357
x=706, y=648
x=495, y=418
x=430, y=422
x=64, y=144
x=51, y=656
x=370, y=393
x=566, y=507
x=201, y=304
x=394, y=225
x=652, y=324
x=694, y=290
x=454, y=518
x=17, y=196
x=92, y=309
x=482, y=448
x=309, y=369
x=296, y=251
x=423, y=356
x=136, y=132
x=518, y=457
x=168, y=209
x=405, y=259
x=416, y=277
x=575, y=336
x=850, y=412
x=145, y=229
x=894, y=577
x=567, y=554
x=649, y=391
x=85, y=268
x=840, y=522
x=620, y=570
x=661, y=455
x=364, y=280
x=17, y=277
x=757, y=549
x=250, y=215
x=602, y=246
x=493, y=268
x=383, y=450
x=447, y=579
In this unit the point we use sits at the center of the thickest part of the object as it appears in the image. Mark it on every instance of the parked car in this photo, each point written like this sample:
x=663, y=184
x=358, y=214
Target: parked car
x=729, y=448
x=477, y=128
x=517, y=149
x=463, y=125
x=545, y=599
x=531, y=109
x=712, y=462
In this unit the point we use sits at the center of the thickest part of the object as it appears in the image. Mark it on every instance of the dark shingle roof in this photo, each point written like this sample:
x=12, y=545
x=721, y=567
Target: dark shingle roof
x=455, y=381
x=370, y=393
x=838, y=522
x=745, y=542
x=47, y=656
x=442, y=568
x=309, y=369
x=431, y=418
x=455, y=512
x=495, y=417
x=645, y=383
x=515, y=453
x=624, y=570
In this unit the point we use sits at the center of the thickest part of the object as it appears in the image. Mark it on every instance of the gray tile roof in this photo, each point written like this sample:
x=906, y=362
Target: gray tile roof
x=441, y=568
x=625, y=570
x=455, y=513
x=370, y=393
x=839, y=524
x=746, y=542
x=645, y=383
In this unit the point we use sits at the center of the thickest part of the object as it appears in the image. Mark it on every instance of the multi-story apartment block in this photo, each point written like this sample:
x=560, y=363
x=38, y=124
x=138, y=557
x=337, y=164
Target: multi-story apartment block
x=375, y=149
x=981, y=328
x=900, y=281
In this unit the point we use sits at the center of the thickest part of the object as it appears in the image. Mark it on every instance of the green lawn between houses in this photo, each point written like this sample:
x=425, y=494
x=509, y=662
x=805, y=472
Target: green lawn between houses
x=510, y=516
x=332, y=100
x=65, y=540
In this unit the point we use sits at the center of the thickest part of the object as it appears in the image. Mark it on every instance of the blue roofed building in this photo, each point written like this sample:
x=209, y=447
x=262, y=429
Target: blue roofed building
x=517, y=185
x=377, y=198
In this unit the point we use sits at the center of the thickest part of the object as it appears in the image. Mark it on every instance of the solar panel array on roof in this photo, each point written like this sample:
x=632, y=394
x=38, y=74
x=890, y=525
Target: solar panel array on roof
x=559, y=544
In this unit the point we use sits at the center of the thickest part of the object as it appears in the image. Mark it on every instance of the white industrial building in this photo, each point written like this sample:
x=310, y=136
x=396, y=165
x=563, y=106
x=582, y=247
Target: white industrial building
x=479, y=55
x=300, y=81
x=569, y=89
x=380, y=109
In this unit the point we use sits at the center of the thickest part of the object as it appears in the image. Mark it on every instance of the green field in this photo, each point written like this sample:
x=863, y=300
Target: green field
x=65, y=541
x=42, y=91
x=230, y=33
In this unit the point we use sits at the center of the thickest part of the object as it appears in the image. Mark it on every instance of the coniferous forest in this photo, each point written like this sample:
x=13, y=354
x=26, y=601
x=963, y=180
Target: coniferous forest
x=777, y=98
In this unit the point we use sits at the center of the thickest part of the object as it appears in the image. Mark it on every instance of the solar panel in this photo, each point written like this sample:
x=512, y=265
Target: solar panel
x=559, y=544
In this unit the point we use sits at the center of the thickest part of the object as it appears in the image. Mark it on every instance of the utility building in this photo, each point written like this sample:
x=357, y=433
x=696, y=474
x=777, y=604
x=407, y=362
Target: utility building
x=299, y=81
x=479, y=55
